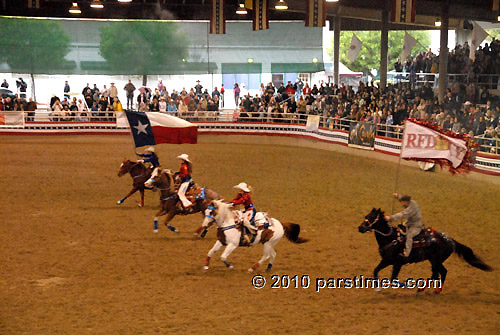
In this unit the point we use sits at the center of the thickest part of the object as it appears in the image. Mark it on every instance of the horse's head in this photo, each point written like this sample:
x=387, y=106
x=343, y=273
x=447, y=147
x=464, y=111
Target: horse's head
x=372, y=221
x=216, y=212
x=210, y=214
x=124, y=167
x=155, y=179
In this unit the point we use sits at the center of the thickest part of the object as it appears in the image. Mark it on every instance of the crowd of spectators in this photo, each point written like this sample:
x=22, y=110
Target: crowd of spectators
x=482, y=70
x=338, y=105
x=17, y=101
x=182, y=103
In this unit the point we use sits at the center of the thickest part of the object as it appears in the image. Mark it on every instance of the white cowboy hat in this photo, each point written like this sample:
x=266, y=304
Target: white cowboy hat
x=150, y=149
x=184, y=157
x=243, y=187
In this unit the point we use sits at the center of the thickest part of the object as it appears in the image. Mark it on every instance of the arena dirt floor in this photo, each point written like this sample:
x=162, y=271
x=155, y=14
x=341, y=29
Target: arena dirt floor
x=73, y=262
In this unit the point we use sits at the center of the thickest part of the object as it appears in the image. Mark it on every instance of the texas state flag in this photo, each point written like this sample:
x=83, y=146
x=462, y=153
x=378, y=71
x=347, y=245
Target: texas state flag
x=155, y=128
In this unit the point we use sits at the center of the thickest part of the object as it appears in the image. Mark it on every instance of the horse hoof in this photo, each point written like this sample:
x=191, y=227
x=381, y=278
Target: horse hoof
x=419, y=290
x=140, y=206
x=438, y=290
x=205, y=267
x=378, y=289
x=250, y=270
x=230, y=267
x=155, y=231
x=118, y=202
x=172, y=228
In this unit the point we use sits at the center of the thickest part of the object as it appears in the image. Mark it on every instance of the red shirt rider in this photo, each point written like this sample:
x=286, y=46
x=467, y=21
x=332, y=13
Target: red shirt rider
x=184, y=172
x=243, y=198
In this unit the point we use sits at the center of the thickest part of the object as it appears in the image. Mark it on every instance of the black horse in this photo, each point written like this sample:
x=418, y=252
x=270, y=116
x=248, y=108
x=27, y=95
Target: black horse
x=436, y=249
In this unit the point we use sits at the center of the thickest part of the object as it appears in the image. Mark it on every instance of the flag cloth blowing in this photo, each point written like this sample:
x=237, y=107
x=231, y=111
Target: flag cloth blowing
x=354, y=48
x=424, y=142
x=408, y=45
x=155, y=128
x=477, y=37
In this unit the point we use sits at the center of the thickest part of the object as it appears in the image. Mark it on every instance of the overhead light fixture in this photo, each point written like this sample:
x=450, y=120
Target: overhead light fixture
x=250, y=60
x=96, y=4
x=75, y=9
x=125, y=1
x=241, y=9
x=332, y=0
x=315, y=60
x=437, y=23
x=498, y=18
x=281, y=5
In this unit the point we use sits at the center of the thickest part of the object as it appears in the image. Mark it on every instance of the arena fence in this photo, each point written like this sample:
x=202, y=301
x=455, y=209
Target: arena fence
x=382, y=138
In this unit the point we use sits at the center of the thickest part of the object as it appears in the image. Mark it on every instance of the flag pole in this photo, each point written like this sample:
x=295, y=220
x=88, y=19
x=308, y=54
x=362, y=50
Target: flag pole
x=399, y=167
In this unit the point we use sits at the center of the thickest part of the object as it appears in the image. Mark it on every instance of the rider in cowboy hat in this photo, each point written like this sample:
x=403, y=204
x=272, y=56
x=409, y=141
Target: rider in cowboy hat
x=243, y=198
x=149, y=156
x=185, y=175
x=413, y=224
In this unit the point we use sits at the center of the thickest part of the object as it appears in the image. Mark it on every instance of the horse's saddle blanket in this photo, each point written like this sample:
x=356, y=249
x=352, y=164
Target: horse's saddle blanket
x=194, y=192
x=427, y=236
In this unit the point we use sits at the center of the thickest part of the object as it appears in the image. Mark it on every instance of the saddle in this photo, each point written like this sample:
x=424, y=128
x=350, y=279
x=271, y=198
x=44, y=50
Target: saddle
x=426, y=236
x=265, y=236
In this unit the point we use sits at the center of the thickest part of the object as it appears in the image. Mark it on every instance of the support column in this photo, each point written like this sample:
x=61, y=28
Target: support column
x=384, y=45
x=443, y=51
x=336, y=50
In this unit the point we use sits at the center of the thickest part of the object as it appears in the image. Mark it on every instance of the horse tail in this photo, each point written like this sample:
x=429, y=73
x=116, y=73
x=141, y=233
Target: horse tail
x=468, y=255
x=292, y=231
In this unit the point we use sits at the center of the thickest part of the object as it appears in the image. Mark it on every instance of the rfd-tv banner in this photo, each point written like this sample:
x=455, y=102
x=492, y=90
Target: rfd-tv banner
x=421, y=142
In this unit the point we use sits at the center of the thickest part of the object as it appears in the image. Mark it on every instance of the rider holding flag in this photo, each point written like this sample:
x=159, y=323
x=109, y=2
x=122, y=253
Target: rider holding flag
x=243, y=198
x=150, y=157
x=413, y=224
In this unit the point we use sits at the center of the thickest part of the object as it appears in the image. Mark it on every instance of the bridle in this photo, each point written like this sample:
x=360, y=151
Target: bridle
x=370, y=224
x=153, y=180
x=211, y=217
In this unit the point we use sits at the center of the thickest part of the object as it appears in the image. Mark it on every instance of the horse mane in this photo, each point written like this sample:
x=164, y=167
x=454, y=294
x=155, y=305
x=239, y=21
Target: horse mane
x=212, y=194
x=171, y=185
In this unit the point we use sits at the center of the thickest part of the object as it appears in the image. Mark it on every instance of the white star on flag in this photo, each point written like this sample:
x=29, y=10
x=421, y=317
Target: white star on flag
x=141, y=128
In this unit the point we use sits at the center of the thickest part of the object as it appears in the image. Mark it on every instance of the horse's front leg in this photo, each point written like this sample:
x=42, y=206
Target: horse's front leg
x=395, y=272
x=132, y=191
x=161, y=212
x=382, y=265
x=169, y=218
x=212, y=252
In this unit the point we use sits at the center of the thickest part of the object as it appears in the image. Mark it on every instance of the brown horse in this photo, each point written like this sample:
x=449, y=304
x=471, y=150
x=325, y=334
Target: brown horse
x=164, y=180
x=139, y=173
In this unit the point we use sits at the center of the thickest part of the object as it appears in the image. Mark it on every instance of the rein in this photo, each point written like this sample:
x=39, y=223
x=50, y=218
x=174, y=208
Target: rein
x=379, y=232
x=376, y=230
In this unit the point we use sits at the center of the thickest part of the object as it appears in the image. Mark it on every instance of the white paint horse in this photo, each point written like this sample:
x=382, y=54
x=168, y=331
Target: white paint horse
x=269, y=233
